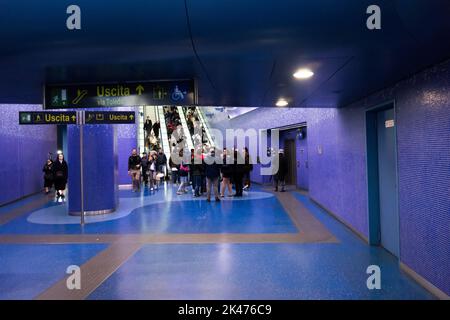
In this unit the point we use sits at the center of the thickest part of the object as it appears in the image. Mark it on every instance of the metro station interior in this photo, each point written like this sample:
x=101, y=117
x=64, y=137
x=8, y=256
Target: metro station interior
x=335, y=115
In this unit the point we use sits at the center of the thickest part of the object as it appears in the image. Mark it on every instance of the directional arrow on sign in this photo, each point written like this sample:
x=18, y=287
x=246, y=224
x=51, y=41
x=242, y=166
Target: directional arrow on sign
x=74, y=118
x=131, y=117
x=139, y=89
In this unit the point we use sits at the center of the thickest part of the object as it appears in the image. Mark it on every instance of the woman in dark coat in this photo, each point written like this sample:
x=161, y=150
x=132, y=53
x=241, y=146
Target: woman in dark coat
x=48, y=175
x=60, y=173
x=227, y=173
x=238, y=173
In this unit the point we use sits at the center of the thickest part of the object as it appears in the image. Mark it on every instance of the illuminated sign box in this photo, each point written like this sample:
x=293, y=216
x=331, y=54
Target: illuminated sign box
x=109, y=117
x=41, y=118
x=126, y=94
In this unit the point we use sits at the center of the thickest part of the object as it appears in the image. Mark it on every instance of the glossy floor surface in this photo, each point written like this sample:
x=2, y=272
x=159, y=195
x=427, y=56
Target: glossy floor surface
x=158, y=245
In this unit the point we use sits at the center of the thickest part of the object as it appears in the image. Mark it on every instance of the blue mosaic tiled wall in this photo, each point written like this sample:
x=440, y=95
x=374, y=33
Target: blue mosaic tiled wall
x=126, y=141
x=23, y=152
x=337, y=164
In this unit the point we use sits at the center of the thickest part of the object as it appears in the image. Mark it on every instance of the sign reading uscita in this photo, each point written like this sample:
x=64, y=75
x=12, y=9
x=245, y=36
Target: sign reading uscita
x=126, y=94
x=32, y=117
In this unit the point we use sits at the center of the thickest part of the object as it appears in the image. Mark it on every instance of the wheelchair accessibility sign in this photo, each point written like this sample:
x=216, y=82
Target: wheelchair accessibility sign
x=178, y=95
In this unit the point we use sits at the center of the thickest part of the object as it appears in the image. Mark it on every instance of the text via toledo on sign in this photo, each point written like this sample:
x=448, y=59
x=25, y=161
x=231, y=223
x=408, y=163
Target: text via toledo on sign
x=37, y=118
x=181, y=92
x=109, y=117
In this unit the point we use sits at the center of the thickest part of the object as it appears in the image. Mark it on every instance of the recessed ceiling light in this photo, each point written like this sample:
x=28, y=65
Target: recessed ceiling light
x=303, y=74
x=281, y=103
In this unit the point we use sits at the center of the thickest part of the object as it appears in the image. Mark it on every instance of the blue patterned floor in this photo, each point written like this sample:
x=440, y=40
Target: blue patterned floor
x=261, y=271
x=203, y=271
x=164, y=212
x=27, y=270
x=255, y=271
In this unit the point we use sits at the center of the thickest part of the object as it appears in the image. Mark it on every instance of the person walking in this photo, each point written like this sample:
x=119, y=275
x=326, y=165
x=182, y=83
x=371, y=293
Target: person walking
x=280, y=175
x=156, y=127
x=144, y=166
x=134, y=170
x=227, y=172
x=152, y=170
x=183, y=175
x=197, y=173
x=175, y=169
x=60, y=174
x=212, y=173
x=161, y=165
x=48, y=175
x=148, y=126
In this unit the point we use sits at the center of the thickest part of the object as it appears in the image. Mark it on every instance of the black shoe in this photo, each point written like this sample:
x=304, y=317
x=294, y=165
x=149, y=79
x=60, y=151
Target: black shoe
x=283, y=190
x=208, y=200
x=217, y=199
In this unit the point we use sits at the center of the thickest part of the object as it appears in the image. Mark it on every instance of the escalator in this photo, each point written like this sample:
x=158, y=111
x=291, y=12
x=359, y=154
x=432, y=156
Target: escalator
x=198, y=127
x=151, y=140
x=185, y=128
x=164, y=137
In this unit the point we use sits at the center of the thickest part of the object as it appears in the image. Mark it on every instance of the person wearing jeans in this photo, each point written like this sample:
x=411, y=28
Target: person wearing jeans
x=134, y=170
x=183, y=172
x=197, y=172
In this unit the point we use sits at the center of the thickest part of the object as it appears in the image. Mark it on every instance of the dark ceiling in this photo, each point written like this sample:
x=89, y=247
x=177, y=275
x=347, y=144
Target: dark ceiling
x=243, y=53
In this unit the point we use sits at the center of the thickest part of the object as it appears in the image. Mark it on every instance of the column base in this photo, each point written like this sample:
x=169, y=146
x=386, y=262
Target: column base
x=93, y=213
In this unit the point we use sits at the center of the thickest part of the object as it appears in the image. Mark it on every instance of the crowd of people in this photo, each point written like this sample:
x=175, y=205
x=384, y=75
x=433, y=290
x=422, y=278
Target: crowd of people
x=151, y=134
x=204, y=171
x=56, y=174
x=152, y=167
x=195, y=127
x=210, y=172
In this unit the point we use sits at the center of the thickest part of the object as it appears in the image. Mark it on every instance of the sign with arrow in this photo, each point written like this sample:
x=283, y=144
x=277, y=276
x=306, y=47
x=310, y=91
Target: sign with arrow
x=109, y=117
x=126, y=94
x=33, y=117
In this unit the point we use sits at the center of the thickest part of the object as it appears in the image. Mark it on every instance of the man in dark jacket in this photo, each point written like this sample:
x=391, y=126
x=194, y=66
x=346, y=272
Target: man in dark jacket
x=161, y=162
x=148, y=126
x=156, y=127
x=197, y=171
x=212, y=172
x=280, y=176
x=134, y=170
x=144, y=165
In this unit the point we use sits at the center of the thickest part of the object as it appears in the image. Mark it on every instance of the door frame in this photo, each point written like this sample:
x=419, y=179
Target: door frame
x=373, y=195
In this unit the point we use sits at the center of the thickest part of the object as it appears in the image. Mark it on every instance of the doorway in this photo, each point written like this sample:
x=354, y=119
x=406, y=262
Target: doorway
x=290, y=153
x=382, y=177
x=302, y=159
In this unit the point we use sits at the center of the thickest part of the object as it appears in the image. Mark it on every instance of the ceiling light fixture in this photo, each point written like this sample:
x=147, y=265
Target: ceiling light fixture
x=303, y=74
x=281, y=103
